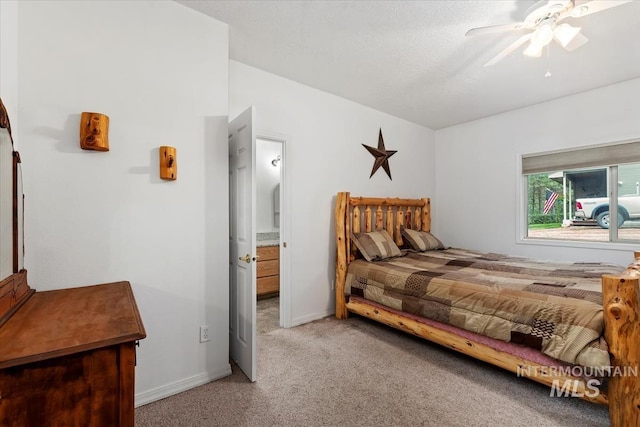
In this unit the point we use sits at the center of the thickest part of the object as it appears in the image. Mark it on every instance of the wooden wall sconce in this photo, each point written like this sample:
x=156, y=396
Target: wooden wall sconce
x=168, y=163
x=94, y=132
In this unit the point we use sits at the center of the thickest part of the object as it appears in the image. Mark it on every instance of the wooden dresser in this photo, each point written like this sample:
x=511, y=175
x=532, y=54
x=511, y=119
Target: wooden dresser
x=67, y=358
x=268, y=271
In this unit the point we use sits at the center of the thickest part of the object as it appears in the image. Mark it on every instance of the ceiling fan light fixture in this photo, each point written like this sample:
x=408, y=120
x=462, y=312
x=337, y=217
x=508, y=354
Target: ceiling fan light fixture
x=543, y=34
x=534, y=50
x=564, y=33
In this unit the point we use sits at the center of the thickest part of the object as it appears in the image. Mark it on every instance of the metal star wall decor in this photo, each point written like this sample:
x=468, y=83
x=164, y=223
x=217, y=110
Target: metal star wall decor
x=381, y=155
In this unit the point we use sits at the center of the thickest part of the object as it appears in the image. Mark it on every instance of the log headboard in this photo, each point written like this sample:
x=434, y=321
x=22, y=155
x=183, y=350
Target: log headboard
x=366, y=214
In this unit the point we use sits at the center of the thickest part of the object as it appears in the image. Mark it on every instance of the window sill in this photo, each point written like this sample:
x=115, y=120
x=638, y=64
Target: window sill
x=582, y=244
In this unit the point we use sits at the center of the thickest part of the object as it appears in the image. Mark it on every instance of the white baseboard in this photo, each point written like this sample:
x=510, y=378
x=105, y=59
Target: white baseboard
x=311, y=317
x=180, y=386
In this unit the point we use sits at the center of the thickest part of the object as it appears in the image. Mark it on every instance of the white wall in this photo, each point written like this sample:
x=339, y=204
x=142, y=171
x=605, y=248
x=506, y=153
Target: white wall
x=9, y=96
x=324, y=155
x=477, y=167
x=9, y=62
x=160, y=72
x=267, y=178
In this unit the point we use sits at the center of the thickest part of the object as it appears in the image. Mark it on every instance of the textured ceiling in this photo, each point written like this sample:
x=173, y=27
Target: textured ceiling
x=411, y=59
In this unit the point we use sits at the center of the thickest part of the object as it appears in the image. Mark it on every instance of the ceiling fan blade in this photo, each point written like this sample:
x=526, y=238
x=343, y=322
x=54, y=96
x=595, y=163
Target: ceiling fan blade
x=497, y=29
x=577, y=41
x=513, y=46
x=590, y=7
x=558, y=6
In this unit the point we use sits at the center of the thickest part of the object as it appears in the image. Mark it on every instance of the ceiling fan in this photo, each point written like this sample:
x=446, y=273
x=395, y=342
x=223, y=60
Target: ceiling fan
x=543, y=23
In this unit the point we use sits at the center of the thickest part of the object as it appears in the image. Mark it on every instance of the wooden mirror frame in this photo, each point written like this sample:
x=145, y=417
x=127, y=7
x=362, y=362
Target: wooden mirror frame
x=14, y=290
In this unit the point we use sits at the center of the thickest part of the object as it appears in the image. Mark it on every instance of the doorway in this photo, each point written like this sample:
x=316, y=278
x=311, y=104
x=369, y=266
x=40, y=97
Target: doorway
x=243, y=255
x=269, y=248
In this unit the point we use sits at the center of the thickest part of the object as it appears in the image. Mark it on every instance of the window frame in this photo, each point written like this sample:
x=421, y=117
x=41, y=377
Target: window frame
x=614, y=242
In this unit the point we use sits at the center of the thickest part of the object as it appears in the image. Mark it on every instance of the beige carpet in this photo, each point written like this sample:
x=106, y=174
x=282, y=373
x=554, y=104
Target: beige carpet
x=356, y=372
x=267, y=315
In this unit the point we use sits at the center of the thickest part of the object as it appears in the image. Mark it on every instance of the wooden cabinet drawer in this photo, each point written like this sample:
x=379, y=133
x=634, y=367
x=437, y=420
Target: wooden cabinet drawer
x=91, y=388
x=267, y=253
x=268, y=271
x=268, y=268
x=268, y=284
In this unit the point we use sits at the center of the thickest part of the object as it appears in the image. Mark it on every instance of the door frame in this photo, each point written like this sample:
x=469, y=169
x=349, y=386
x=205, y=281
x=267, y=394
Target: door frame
x=285, y=224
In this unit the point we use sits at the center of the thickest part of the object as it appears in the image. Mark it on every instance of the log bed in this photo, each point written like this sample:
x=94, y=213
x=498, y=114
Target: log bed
x=621, y=301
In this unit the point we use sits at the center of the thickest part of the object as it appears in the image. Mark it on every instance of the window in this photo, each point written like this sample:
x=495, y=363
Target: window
x=569, y=194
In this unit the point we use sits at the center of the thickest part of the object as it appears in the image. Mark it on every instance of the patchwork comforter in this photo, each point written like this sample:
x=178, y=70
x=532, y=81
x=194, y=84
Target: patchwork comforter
x=553, y=307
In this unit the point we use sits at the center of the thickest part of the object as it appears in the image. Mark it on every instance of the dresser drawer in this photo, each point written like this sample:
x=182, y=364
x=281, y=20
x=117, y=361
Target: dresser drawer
x=267, y=253
x=269, y=284
x=268, y=268
x=268, y=271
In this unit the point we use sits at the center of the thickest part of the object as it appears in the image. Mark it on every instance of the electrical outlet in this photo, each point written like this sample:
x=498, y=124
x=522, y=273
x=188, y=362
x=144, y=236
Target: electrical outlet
x=204, y=333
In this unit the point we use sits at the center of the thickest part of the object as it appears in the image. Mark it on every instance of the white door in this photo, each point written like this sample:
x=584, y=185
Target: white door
x=242, y=241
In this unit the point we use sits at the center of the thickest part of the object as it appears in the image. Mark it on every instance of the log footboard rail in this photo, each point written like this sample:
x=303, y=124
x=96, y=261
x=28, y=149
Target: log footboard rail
x=621, y=305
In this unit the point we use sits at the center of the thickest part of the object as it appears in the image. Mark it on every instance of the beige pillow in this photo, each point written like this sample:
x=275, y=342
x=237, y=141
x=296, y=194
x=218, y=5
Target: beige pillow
x=421, y=240
x=376, y=245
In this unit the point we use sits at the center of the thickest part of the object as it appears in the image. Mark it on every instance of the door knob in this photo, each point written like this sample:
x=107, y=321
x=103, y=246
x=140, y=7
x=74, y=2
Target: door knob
x=246, y=258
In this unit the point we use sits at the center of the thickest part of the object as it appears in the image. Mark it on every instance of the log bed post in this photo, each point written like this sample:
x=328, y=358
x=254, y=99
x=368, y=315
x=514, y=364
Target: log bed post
x=426, y=215
x=342, y=240
x=621, y=302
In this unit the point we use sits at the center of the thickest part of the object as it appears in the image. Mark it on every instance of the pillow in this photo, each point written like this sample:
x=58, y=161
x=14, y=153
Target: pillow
x=376, y=245
x=421, y=240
